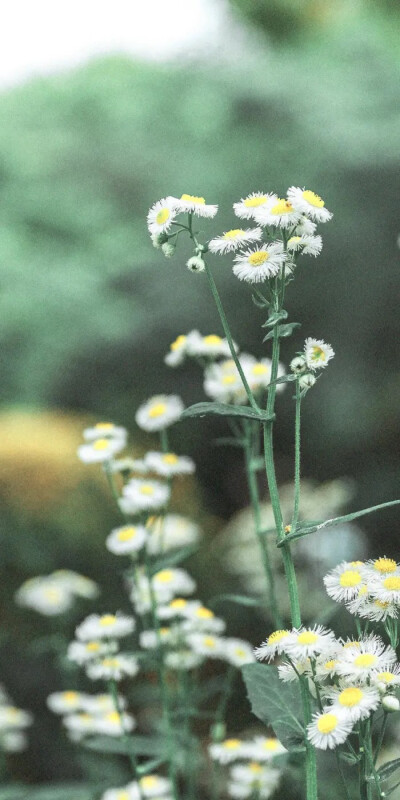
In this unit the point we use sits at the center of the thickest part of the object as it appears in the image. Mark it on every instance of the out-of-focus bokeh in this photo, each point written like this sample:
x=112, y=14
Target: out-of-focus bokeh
x=236, y=97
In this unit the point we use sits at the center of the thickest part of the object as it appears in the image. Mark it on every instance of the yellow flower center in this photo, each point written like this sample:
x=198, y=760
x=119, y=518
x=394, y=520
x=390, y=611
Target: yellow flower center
x=270, y=744
x=70, y=697
x=157, y=410
x=233, y=234
x=212, y=339
x=385, y=677
x=276, y=636
x=254, y=767
x=126, y=534
x=93, y=647
x=123, y=795
x=307, y=637
x=254, y=202
x=294, y=239
x=107, y=619
x=164, y=631
x=104, y=426
x=327, y=723
x=52, y=594
x=204, y=613
x=110, y=662
x=356, y=563
x=146, y=488
x=313, y=199
x=351, y=644
x=239, y=652
x=179, y=602
x=231, y=744
x=165, y=576
x=258, y=258
x=385, y=565
x=350, y=697
x=281, y=207
x=392, y=583
x=317, y=353
x=227, y=379
x=170, y=458
x=209, y=641
x=365, y=660
x=149, y=781
x=101, y=444
x=260, y=369
x=381, y=604
x=162, y=216
x=362, y=591
x=350, y=578
x=113, y=717
x=330, y=664
x=179, y=342
x=190, y=198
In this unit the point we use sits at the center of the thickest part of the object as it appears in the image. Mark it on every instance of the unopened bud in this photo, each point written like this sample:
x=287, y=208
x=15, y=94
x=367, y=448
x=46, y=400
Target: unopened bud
x=201, y=248
x=390, y=703
x=298, y=365
x=158, y=239
x=196, y=264
x=218, y=732
x=168, y=249
x=307, y=381
x=382, y=687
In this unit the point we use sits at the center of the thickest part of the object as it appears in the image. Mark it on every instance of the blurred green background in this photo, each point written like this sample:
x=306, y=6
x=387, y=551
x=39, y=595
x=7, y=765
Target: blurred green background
x=308, y=95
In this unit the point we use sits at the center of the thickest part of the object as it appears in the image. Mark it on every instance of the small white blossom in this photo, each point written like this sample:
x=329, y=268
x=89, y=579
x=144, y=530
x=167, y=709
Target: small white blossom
x=126, y=539
x=105, y=626
x=171, y=531
x=161, y=216
x=167, y=465
x=195, y=205
x=115, y=667
x=159, y=412
x=143, y=495
x=234, y=239
x=100, y=450
x=328, y=729
x=317, y=353
x=255, y=266
x=308, y=203
x=248, y=206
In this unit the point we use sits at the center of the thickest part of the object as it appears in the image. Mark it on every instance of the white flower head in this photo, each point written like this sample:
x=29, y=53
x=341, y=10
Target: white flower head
x=278, y=212
x=142, y=495
x=317, y=353
x=253, y=778
x=171, y=531
x=127, y=792
x=238, y=652
x=100, y=450
x=359, y=660
x=161, y=215
x=373, y=609
x=228, y=751
x=66, y=702
x=255, y=266
x=105, y=430
x=195, y=264
x=196, y=617
x=154, y=786
x=177, y=352
x=113, y=724
x=167, y=465
x=308, y=203
x=159, y=412
x=126, y=539
x=222, y=382
x=308, y=642
x=210, y=346
x=207, y=645
x=381, y=566
x=105, y=626
x=386, y=587
x=175, y=581
x=234, y=239
x=305, y=227
x=195, y=205
x=82, y=652
x=249, y=205
x=179, y=660
x=344, y=582
x=306, y=244
x=45, y=595
x=357, y=701
x=264, y=748
x=273, y=646
x=113, y=667
x=387, y=678
x=329, y=729
x=77, y=584
x=101, y=703
x=12, y=718
x=258, y=373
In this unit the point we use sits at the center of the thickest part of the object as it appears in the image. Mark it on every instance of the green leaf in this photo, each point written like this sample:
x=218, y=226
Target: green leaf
x=149, y=766
x=239, y=599
x=283, y=331
x=349, y=758
x=274, y=318
x=141, y=745
x=226, y=410
x=388, y=769
x=392, y=789
x=274, y=702
x=305, y=530
x=174, y=558
x=258, y=302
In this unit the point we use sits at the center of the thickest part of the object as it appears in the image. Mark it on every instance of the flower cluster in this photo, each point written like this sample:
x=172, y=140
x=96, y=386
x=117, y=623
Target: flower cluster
x=370, y=589
x=56, y=593
x=13, y=724
x=258, y=768
x=149, y=786
x=90, y=714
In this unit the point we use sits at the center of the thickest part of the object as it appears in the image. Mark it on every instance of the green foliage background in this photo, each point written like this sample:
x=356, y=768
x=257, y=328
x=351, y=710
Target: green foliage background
x=88, y=307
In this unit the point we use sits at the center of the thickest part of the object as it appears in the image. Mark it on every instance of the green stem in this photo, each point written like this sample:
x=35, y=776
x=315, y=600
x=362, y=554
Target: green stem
x=260, y=533
x=125, y=737
x=297, y=458
x=311, y=760
x=381, y=736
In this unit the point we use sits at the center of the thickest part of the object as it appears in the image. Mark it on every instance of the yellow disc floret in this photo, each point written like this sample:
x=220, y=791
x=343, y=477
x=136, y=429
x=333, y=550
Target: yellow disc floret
x=212, y=339
x=157, y=410
x=365, y=660
x=163, y=216
x=350, y=578
x=170, y=458
x=254, y=202
x=313, y=199
x=350, y=697
x=258, y=258
x=147, y=489
x=231, y=744
x=281, y=207
x=165, y=576
x=126, y=534
x=179, y=342
x=307, y=637
x=190, y=198
x=385, y=565
x=233, y=234
x=101, y=444
x=276, y=636
x=327, y=723
x=107, y=619
x=392, y=583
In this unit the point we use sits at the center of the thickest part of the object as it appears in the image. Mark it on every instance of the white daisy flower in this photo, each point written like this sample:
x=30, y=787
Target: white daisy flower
x=154, y=786
x=308, y=642
x=104, y=626
x=171, y=531
x=14, y=741
x=273, y=646
x=101, y=703
x=258, y=373
x=167, y=465
x=78, y=584
x=222, y=382
x=12, y=717
x=159, y=412
x=290, y=671
x=254, y=778
x=305, y=227
x=207, y=645
x=65, y=702
x=258, y=265
x=264, y=748
x=175, y=580
x=381, y=566
x=114, y=724
x=197, y=617
x=99, y=450
x=228, y=751
x=389, y=677
x=306, y=244
x=149, y=639
x=308, y=203
x=182, y=660
x=373, y=609
x=210, y=346
x=80, y=725
x=143, y=495
x=325, y=664
x=123, y=793
x=82, y=652
x=161, y=215
x=46, y=596
x=247, y=206
x=328, y=729
x=115, y=667
x=317, y=353
x=357, y=701
x=234, y=239
x=386, y=588
x=344, y=582
x=358, y=660
x=177, y=352
x=195, y=205
x=126, y=539
x=105, y=430
x=179, y=607
x=238, y=652
x=278, y=212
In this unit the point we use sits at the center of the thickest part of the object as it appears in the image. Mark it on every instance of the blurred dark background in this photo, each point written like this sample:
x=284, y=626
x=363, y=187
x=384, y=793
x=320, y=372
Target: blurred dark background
x=307, y=95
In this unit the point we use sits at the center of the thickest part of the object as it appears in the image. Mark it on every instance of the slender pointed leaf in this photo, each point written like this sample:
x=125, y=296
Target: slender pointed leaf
x=274, y=318
x=239, y=599
x=283, y=331
x=305, y=530
x=388, y=769
x=226, y=410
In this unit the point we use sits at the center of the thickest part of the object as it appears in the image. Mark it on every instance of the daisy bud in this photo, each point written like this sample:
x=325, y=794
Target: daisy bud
x=298, y=365
x=195, y=264
x=201, y=248
x=307, y=381
x=158, y=239
x=390, y=703
x=218, y=732
x=168, y=249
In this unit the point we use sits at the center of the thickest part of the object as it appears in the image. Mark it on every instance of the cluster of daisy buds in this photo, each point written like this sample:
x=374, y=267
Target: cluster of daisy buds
x=316, y=356
x=258, y=765
x=13, y=724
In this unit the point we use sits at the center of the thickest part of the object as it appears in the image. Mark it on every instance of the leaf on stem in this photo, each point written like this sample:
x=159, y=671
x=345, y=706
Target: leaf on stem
x=239, y=599
x=306, y=529
x=283, y=331
x=388, y=769
x=276, y=703
x=226, y=410
x=274, y=318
